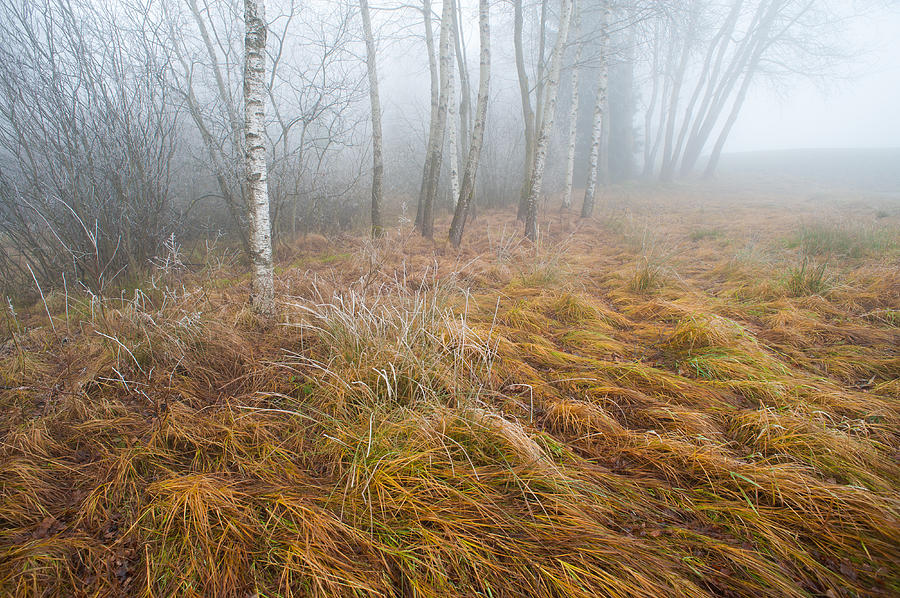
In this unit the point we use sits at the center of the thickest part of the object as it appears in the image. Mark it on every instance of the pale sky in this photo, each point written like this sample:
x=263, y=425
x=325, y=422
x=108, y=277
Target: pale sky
x=864, y=112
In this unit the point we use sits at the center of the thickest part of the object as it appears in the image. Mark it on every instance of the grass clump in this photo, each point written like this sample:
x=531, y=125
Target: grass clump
x=648, y=276
x=571, y=309
x=545, y=265
x=652, y=268
x=393, y=346
x=702, y=234
x=701, y=331
x=806, y=438
x=852, y=239
x=809, y=278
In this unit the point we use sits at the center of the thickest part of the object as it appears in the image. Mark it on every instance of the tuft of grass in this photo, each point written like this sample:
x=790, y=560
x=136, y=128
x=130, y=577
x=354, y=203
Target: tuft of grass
x=811, y=439
x=571, y=309
x=705, y=330
x=544, y=265
x=393, y=346
x=702, y=234
x=655, y=255
x=648, y=276
x=809, y=278
x=854, y=239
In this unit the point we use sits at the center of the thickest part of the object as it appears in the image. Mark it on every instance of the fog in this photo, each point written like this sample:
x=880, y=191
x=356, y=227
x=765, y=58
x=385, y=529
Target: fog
x=129, y=123
x=450, y=298
x=851, y=104
x=856, y=111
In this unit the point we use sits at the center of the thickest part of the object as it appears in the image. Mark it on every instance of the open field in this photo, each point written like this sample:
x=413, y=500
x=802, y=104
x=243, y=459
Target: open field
x=873, y=170
x=695, y=394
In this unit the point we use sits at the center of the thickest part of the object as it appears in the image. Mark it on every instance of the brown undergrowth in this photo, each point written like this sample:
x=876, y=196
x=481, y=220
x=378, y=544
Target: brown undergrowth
x=511, y=420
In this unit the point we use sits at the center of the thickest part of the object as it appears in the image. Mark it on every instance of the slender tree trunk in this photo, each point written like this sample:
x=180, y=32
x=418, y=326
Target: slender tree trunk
x=706, y=73
x=465, y=90
x=626, y=170
x=726, y=129
x=468, y=182
x=262, y=285
x=573, y=113
x=659, y=133
x=224, y=92
x=603, y=171
x=546, y=119
x=452, y=127
x=651, y=106
x=590, y=189
x=717, y=96
x=435, y=100
x=763, y=41
x=222, y=162
x=667, y=170
x=375, y=101
x=439, y=127
x=532, y=126
x=527, y=112
x=540, y=82
x=235, y=207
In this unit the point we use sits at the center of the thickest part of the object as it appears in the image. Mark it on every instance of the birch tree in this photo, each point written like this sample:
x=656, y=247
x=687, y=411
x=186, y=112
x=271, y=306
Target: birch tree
x=708, y=74
x=435, y=101
x=666, y=45
x=467, y=187
x=668, y=161
x=377, y=152
x=262, y=286
x=590, y=189
x=548, y=109
x=573, y=112
x=655, y=75
x=438, y=126
x=714, y=53
x=465, y=90
x=763, y=41
x=527, y=111
x=452, y=126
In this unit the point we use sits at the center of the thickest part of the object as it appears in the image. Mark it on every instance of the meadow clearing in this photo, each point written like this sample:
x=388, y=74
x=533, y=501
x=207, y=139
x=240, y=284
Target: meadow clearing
x=695, y=393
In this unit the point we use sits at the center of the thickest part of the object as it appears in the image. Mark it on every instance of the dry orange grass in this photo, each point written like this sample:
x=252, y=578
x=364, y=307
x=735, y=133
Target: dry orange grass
x=507, y=420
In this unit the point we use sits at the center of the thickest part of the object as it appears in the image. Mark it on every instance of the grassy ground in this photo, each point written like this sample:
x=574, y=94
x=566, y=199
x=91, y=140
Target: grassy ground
x=695, y=394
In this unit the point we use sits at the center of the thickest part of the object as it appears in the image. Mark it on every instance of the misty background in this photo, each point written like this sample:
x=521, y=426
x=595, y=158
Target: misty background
x=858, y=110
x=121, y=121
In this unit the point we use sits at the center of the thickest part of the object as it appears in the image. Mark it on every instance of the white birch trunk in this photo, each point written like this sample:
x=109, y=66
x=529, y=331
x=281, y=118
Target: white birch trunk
x=527, y=112
x=467, y=186
x=573, y=116
x=594, y=159
x=590, y=188
x=465, y=91
x=262, y=286
x=375, y=101
x=546, y=120
x=452, y=133
x=539, y=80
x=435, y=100
x=438, y=127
